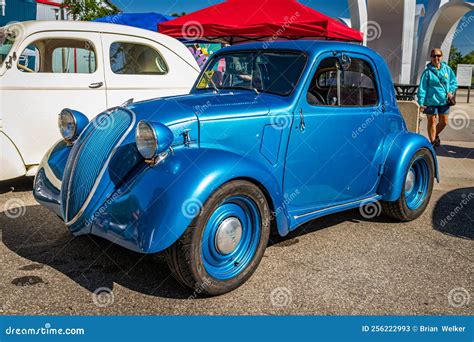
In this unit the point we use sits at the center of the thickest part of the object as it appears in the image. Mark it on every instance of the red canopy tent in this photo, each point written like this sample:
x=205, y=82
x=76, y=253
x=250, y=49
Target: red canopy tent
x=235, y=21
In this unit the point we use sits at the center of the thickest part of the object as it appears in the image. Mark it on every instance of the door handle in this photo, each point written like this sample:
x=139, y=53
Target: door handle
x=302, y=123
x=96, y=85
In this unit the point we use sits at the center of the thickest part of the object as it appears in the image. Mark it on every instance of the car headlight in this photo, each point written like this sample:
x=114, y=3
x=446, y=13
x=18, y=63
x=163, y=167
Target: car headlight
x=71, y=123
x=152, y=138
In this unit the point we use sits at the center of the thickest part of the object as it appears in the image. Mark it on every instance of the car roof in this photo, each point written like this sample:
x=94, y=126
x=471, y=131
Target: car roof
x=69, y=25
x=26, y=28
x=311, y=47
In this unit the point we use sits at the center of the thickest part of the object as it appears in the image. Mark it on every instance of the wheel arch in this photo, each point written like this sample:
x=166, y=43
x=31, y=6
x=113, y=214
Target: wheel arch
x=170, y=195
x=402, y=149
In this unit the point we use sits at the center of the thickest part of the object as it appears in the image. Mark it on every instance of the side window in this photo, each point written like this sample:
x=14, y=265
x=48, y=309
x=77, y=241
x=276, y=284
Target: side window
x=136, y=59
x=353, y=87
x=65, y=56
x=358, y=85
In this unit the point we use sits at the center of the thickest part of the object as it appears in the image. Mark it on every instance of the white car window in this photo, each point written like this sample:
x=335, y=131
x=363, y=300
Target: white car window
x=70, y=56
x=136, y=59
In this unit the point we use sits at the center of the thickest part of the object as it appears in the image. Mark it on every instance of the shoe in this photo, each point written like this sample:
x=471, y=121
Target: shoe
x=437, y=142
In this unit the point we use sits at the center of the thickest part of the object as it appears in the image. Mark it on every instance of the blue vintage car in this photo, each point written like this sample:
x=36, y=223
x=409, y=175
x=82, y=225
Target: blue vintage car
x=271, y=136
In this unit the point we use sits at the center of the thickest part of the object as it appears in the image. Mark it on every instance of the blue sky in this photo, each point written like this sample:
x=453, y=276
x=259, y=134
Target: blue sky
x=337, y=8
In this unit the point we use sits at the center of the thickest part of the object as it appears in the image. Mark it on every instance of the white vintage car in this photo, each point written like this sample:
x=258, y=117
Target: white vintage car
x=46, y=66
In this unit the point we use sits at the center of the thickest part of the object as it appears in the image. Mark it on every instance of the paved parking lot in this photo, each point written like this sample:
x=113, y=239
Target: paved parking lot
x=341, y=264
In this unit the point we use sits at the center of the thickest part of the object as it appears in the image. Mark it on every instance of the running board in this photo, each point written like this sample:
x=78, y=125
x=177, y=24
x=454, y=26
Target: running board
x=348, y=205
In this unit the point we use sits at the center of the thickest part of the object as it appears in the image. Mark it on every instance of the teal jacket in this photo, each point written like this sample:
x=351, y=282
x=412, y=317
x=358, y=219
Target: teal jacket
x=435, y=85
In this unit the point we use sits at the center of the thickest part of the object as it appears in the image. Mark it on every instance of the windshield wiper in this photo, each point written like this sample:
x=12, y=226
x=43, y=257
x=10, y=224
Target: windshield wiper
x=212, y=82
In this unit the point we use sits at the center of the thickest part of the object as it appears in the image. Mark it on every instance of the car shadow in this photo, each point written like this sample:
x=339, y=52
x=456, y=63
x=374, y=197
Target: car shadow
x=454, y=213
x=324, y=222
x=41, y=237
x=92, y=262
x=16, y=184
x=454, y=152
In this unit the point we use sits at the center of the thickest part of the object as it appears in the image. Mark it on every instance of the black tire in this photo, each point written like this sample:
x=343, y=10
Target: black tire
x=185, y=255
x=399, y=209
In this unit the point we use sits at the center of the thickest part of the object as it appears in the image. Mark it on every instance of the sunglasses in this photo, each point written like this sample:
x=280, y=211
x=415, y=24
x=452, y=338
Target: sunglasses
x=436, y=56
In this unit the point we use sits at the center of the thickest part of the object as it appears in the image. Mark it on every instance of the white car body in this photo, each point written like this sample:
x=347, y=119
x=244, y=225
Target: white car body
x=31, y=101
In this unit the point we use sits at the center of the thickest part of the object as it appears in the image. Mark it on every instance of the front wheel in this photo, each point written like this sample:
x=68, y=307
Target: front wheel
x=224, y=244
x=416, y=191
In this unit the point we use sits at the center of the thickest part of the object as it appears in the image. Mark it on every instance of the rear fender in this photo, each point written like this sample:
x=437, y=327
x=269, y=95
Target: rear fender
x=401, y=150
x=11, y=162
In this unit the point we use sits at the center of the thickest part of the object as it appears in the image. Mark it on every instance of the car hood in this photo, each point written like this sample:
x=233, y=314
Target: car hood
x=203, y=106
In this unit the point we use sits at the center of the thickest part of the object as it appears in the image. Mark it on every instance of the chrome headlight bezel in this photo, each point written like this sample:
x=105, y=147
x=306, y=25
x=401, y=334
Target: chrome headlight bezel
x=67, y=124
x=71, y=123
x=146, y=140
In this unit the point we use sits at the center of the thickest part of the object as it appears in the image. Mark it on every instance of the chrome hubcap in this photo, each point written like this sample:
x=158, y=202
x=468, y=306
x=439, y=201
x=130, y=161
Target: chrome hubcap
x=228, y=235
x=410, y=181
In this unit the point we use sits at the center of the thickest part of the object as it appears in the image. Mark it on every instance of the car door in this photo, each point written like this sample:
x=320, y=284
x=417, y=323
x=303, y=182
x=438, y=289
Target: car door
x=141, y=69
x=335, y=156
x=54, y=70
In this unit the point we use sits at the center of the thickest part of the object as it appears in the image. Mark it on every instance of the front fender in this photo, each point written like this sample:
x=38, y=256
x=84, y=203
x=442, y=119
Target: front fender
x=402, y=149
x=152, y=211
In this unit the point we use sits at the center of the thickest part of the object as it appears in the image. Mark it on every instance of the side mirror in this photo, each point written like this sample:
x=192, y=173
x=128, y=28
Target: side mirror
x=343, y=62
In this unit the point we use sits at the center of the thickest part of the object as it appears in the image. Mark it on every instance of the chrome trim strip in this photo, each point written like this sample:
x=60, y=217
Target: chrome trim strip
x=102, y=171
x=336, y=206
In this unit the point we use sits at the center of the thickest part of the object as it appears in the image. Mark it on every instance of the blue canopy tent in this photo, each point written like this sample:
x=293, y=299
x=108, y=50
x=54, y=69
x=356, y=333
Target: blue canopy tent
x=148, y=21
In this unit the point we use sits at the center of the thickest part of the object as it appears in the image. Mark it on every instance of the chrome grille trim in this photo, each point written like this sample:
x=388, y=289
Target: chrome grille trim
x=102, y=171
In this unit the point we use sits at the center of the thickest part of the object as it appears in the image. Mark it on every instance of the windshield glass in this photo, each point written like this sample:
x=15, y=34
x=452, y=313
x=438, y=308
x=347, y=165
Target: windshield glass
x=272, y=72
x=6, y=43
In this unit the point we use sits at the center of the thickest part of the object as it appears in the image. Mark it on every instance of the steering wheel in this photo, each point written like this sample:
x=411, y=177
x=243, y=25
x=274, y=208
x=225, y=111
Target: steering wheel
x=24, y=68
x=320, y=97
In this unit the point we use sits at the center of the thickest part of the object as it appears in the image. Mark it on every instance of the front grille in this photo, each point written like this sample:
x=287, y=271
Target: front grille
x=89, y=156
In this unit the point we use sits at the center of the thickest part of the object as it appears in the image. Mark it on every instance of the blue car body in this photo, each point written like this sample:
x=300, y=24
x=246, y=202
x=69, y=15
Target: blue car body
x=309, y=161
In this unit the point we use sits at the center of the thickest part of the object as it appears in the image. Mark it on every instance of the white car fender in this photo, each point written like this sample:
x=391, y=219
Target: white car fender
x=11, y=163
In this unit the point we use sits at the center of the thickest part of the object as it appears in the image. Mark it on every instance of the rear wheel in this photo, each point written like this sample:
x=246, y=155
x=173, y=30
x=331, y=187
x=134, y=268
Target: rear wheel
x=416, y=191
x=225, y=243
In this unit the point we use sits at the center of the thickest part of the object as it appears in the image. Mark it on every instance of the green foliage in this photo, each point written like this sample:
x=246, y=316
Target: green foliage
x=177, y=15
x=89, y=9
x=455, y=58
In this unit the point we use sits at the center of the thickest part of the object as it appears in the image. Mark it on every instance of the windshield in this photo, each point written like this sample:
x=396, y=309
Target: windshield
x=272, y=72
x=6, y=43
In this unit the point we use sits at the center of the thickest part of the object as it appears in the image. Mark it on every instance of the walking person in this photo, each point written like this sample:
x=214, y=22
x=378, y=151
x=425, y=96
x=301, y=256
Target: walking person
x=438, y=85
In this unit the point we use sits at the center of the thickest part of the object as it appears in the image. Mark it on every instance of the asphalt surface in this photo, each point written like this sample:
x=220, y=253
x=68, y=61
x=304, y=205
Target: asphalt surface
x=341, y=264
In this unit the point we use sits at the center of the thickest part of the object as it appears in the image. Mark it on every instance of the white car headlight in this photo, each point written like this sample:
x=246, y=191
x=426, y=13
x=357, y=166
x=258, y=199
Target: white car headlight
x=67, y=124
x=153, y=139
x=146, y=139
x=71, y=123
